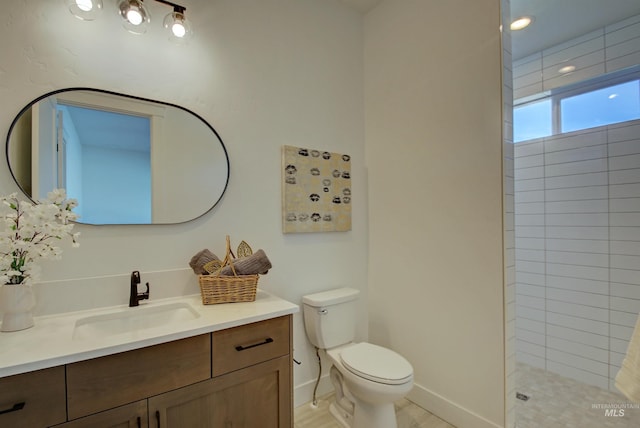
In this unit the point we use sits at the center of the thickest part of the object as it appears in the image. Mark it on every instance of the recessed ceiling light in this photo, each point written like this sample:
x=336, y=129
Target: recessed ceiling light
x=520, y=23
x=567, y=69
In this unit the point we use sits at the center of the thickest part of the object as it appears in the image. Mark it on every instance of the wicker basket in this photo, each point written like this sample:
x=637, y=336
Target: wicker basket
x=228, y=289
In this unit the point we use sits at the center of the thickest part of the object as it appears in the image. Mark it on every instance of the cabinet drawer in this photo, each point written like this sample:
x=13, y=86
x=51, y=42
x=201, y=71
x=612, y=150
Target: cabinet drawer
x=114, y=380
x=34, y=399
x=243, y=346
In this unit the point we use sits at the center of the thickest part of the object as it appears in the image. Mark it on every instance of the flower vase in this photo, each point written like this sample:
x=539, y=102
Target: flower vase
x=16, y=303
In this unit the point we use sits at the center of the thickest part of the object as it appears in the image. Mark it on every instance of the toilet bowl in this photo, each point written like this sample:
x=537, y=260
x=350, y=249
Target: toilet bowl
x=367, y=378
x=374, y=378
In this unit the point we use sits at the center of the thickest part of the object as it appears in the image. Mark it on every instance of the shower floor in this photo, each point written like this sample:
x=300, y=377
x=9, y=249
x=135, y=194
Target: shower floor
x=559, y=402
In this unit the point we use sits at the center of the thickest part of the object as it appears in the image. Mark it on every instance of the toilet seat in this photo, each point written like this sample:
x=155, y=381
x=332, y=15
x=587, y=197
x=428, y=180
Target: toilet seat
x=377, y=364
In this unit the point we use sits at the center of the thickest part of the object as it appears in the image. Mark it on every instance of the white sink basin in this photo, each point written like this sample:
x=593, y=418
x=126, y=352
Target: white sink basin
x=130, y=320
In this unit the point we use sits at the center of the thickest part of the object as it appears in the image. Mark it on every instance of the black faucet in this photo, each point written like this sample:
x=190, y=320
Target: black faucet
x=134, y=296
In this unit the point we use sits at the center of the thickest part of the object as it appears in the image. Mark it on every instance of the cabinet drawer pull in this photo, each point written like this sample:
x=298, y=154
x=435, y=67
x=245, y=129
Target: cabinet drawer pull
x=264, y=342
x=15, y=408
x=158, y=417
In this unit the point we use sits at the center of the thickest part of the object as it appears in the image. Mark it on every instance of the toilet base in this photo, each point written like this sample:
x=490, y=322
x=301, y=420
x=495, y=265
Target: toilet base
x=367, y=415
x=345, y=419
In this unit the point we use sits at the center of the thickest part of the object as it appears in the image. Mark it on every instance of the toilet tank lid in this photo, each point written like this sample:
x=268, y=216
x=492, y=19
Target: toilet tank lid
x=330, y=297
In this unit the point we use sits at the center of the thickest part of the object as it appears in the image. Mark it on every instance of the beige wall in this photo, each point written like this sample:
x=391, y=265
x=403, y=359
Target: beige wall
x=433, y=152
x=263, y=73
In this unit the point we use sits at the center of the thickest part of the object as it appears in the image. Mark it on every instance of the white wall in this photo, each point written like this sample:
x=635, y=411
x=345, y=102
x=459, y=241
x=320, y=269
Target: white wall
x=263, y=73
x=433, y=121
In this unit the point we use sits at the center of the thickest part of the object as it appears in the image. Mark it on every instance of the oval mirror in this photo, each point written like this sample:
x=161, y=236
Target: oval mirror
x=127, y=160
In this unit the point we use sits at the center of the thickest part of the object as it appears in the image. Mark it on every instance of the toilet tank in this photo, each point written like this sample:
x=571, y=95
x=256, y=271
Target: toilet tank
x=330, y=317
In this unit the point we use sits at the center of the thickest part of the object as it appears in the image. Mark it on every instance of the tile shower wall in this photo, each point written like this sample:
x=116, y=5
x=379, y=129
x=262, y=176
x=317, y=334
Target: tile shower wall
x=577, y=226
x=602, y=51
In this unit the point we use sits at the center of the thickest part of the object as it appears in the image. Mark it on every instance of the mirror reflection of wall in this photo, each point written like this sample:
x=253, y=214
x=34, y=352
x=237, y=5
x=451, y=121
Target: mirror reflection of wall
x=127, y=160
x=106, y=164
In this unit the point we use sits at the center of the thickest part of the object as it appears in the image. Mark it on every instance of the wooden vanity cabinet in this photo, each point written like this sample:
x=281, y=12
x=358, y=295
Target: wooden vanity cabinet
x=34, y=399
x=238, y=377
x=251, y=386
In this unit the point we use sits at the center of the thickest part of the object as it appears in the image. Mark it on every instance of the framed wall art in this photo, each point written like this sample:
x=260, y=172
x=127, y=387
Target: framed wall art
x=316, y=190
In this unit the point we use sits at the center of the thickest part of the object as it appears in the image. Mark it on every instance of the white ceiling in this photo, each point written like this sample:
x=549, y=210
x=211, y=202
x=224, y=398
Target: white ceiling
x=555, y=20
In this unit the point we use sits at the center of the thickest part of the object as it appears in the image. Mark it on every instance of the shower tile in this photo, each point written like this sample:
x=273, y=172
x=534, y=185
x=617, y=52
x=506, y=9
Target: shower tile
x=624, y=205
x=577, y=180
x=623, y=132
x=623, y=233
x=625, y=290
x=574, y=207
x=578, y=284
x=530, y=290
x=578, y=323
x=577, y=219
x=629, y=147
x=569, y=369
x=587, y=313
x=580, y=245
x=575, y=348
x=576, y=155
x=631, y=306
x=530, y=243
x=576, y=232
x=577, y=193
x=624, y=162
x=574, y=271
x=579, y=297
x=627, y=319
x=625, y=276
x=529, y=184
x=582, y=167
x=584, y=337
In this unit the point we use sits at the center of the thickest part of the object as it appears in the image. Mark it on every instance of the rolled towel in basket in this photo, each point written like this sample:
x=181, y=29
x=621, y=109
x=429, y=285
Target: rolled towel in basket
x=200, y=259
x=257, y=263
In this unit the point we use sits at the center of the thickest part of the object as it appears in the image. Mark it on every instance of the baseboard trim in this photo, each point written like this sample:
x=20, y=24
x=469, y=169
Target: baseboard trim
x=303, y=393
x=445, y=409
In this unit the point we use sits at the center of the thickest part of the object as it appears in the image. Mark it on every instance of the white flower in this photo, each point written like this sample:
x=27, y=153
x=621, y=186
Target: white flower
x=27, y=233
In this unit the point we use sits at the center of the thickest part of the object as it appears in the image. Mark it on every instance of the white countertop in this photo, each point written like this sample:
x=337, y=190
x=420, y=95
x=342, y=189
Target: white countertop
x=51, y=341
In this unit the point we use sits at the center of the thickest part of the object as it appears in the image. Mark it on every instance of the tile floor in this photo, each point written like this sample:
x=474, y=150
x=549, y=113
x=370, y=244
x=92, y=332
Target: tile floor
x=554, y=402
x=559, y=402
x=409, y=416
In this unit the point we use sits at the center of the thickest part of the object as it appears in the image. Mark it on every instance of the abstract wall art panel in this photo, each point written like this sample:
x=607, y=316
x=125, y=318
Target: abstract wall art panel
x=316, y=191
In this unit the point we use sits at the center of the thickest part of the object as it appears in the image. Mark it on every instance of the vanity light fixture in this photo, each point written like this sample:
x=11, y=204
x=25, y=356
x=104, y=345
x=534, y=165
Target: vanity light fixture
x=136, y=18
x=521, y=23
x=87, y=10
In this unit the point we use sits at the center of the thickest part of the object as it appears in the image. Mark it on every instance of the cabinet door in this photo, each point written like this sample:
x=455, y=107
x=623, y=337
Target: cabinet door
x=132, y=415
x=255, y=397
x=33, y=400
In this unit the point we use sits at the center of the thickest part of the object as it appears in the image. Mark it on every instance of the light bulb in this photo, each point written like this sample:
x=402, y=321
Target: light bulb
x=87, y=10
x=84, y=5
x=134, y=17
x=178, y=26
x=178, y=29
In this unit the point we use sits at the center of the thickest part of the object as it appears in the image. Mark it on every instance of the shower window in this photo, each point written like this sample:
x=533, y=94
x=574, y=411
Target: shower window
x=602, y=101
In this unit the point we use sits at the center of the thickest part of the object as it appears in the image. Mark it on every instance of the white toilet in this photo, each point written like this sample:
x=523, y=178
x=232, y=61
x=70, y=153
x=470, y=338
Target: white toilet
x=367, y=378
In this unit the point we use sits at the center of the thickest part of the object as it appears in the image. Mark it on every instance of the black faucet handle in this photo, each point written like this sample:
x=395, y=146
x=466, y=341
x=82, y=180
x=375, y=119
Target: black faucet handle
x=135, y=277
